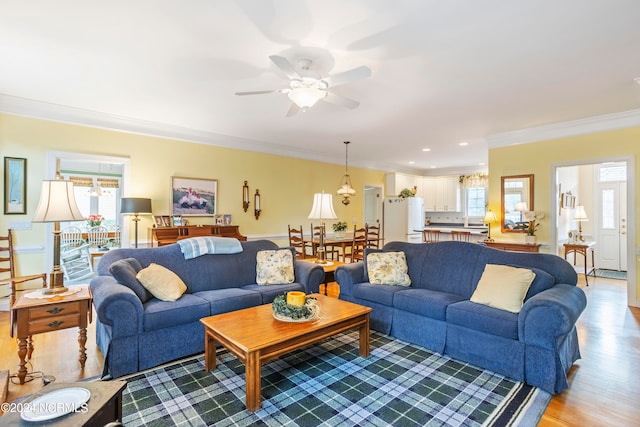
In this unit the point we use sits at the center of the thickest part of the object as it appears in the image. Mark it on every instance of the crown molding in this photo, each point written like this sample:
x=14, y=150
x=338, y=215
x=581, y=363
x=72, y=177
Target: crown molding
x=61, y=113
x=603, y=123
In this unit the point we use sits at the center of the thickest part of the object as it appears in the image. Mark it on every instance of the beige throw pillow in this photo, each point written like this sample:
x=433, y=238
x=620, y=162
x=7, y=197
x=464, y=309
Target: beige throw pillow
x=274, y=267
x=503, y=287
x=388, y=268
x=163, y=283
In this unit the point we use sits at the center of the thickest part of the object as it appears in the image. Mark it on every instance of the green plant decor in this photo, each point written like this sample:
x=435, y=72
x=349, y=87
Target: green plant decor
x=281, y=307
x=406, y=192
x=340, y=226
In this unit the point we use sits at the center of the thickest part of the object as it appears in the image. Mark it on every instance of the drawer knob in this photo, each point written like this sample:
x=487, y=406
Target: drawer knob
x=55, y=310
x=54, y=324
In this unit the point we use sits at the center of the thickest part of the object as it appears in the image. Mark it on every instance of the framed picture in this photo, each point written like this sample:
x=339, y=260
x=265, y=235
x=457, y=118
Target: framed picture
x=15, y=185
x=166, y=220
x=177, y=220
x=193, y=196
x=227, y=220
x=157, y=221
x=568, y=200
x=219, y=219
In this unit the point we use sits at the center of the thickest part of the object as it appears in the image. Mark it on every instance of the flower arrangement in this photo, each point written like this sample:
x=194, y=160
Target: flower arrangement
x=532, y=227
x=408, y=192
x=286, y=311
x=340, y=226
x=94, y=220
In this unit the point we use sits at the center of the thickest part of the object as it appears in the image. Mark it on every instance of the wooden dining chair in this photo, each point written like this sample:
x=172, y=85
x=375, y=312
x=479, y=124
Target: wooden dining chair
x=8, y=278
x=373, y=236
x=429, y=236
x=461, y=236
x=98, y=236
x=358, y=245
x=296, y=240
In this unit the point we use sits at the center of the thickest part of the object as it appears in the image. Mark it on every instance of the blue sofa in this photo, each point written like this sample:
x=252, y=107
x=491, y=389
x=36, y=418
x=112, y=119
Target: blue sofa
x=538, y=345
x=135, y=331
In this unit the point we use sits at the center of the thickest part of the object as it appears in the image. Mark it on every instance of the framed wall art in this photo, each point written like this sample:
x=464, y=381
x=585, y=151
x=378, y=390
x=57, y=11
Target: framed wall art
x=193, y=196
x=15, y=185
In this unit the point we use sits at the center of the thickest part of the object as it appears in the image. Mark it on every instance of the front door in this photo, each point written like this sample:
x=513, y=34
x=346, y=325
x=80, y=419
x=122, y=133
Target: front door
x=612, y=226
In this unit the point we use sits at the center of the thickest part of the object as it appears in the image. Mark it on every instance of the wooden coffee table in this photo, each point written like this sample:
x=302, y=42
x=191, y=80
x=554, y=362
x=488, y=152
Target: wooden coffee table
x=255, y=337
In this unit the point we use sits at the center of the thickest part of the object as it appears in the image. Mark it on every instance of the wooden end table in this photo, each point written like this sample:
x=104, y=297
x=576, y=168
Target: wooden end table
x=38, y=315
x=255, y=337
x=329, y=271
x=582, y=248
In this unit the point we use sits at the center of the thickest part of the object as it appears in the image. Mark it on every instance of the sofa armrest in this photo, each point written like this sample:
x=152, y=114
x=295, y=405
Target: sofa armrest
x=310, y=275
x=550, y=314
x=117, y=306
x=348, y=275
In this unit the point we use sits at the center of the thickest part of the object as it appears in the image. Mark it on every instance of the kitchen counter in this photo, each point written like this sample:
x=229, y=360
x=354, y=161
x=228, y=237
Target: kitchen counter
x=447, y=228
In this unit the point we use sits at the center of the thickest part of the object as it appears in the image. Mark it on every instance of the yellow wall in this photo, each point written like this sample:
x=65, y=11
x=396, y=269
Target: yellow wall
x=537, y=158
x=286, y=184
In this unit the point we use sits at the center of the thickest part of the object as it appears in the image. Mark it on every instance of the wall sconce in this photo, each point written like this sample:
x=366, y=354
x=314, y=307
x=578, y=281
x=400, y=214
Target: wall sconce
x=245, y=196
x=256, y=204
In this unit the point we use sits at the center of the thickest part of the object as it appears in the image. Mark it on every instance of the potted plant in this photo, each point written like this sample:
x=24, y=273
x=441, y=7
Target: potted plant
x=406, y=192
x=532, y=227
x=340, y=228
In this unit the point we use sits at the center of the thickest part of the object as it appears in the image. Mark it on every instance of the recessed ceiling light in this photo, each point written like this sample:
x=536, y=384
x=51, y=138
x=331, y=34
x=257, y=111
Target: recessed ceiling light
x=411, y=163
x=480, y=164
x=462, y=144
x=426, y=149
x=637, y=80
x=433, y=167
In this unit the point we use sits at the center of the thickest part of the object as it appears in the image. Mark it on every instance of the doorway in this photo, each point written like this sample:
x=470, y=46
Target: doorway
x=372, y=205
x=602, y=187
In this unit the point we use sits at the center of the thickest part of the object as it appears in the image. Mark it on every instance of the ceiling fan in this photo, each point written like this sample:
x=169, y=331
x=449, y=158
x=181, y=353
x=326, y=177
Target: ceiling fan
x=306, y=87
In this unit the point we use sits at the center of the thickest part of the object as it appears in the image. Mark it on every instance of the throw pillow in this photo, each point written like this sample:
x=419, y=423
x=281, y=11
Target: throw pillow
x=274, y=267
x=388, y=268
x=163, y=283
x=503, y=287
x=124, y=271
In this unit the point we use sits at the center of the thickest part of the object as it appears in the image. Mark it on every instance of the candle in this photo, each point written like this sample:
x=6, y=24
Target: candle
x=296, y=298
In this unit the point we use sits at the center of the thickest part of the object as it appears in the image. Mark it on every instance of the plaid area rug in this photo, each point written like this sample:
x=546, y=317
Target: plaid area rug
x=329, y=384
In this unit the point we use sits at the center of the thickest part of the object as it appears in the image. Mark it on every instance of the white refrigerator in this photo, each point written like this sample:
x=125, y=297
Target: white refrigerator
x=402, y=217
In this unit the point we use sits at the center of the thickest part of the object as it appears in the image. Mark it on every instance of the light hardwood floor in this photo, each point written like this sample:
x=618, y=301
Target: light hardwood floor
x=603, y=390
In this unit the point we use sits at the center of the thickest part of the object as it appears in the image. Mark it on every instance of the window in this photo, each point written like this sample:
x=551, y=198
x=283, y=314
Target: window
x=476, y=202
x=94, y=199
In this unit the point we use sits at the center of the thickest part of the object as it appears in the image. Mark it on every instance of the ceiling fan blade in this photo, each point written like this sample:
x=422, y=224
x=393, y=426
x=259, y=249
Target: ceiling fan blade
x=342, y=101
x=293, y=110
x=257, y=92
x=348, y=76
x=284, y=64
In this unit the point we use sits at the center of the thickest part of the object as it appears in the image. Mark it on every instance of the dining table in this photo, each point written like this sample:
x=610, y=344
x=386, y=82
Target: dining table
x=342, y=243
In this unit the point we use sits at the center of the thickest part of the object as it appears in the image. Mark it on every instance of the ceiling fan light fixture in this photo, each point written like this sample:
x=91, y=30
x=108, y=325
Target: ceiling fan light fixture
x=305, y=97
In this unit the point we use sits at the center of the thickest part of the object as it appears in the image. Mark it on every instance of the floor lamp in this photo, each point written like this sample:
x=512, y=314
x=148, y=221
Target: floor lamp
x=322, y=209
x=57, y=203
x=135, y=206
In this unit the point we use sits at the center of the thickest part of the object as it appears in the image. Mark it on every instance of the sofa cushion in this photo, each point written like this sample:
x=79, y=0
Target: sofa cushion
x=542, y=282
x=503, y=287
x=382, y=294
x=160, y=314
x=483, y=318
x=124, y=271
x=269, y=293
x=425, y=302
x=163, y=283
x=274, y=267
x=229, y=299
x=388, y=268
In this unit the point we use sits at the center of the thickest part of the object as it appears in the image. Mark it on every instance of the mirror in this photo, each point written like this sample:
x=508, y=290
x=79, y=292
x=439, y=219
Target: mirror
x=516, y=200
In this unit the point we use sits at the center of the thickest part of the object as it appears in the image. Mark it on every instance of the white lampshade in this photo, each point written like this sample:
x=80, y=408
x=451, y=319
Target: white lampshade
x=521, y=207
x=580, y=215
x=57, y=202
x=489, y=217
x=322, y=207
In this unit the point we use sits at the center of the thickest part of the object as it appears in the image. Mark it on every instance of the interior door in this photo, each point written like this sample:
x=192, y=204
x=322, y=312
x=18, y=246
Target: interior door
x=372, y=205
x=612, y=230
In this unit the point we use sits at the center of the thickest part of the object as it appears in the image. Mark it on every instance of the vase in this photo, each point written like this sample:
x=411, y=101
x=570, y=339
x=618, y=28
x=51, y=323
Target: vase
x=529, y=240
x=340, y=234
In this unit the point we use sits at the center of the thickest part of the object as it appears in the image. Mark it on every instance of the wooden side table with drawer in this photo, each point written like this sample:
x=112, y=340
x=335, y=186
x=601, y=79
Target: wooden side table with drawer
x=38, y=315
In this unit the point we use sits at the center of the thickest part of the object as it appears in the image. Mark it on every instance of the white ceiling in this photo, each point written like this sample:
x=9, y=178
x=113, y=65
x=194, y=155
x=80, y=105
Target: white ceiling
x=444, y=72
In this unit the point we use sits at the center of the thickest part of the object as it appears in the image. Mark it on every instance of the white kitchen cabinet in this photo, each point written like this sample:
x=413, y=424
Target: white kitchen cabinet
x=428, y=190
x=396, y=182
x=447, y=194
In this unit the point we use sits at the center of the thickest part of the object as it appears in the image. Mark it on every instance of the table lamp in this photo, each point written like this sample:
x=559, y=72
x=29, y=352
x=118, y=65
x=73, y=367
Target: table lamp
x=489, y=217
x=135, y=206
x=57, y=203
x=322, y=209
x=580, y=216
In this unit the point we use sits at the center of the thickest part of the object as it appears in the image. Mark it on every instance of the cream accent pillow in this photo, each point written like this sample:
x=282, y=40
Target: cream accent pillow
x=274, y=267
x=503, y=287
x=388, y=268
x=163, y=283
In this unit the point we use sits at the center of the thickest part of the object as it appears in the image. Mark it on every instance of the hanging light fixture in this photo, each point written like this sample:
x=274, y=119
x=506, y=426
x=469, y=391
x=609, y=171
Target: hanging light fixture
x=346, y=189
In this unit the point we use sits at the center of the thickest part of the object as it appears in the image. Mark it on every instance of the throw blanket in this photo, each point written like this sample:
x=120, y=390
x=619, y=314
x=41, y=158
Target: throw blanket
x=196, y=246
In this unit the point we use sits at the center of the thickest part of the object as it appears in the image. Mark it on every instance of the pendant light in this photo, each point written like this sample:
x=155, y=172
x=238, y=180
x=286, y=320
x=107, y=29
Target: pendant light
x=346, y=189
